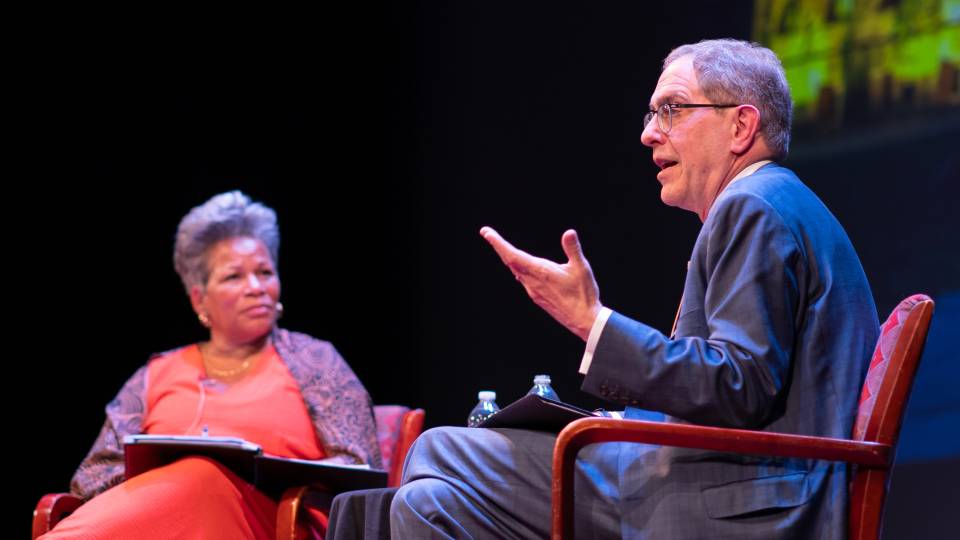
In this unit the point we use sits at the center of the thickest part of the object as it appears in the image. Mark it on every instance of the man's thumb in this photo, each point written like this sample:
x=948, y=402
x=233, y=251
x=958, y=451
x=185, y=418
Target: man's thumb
x=571, y=246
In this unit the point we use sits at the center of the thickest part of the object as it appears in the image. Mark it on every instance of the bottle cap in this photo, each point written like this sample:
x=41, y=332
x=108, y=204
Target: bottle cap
x=487, y=394
x=541, y=379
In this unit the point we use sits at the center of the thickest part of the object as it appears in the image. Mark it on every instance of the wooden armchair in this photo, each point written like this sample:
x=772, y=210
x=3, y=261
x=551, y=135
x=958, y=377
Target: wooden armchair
x=397, y=428
x=871, y=449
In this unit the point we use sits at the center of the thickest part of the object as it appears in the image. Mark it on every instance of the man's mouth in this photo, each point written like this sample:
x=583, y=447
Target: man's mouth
x=664, y=163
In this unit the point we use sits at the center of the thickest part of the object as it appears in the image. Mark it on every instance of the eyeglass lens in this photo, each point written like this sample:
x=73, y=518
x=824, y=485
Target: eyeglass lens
x=664, y=116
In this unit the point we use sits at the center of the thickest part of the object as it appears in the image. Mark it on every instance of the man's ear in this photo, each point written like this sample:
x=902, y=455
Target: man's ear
x=745, y=128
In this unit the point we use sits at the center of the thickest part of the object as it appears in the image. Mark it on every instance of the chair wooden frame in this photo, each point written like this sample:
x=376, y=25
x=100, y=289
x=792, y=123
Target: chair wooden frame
x=51, y=509
x=873, y=456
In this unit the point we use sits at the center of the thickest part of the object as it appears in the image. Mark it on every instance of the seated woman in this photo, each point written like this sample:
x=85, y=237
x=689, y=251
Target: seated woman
x=290, y=393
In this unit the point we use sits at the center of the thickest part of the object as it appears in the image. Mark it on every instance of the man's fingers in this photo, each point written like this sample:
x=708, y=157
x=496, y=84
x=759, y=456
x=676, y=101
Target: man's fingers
x=514, y=258
x=571, y=246
x=503, y=248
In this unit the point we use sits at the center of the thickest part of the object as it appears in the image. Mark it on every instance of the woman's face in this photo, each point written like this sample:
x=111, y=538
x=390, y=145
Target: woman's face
x=240, y=300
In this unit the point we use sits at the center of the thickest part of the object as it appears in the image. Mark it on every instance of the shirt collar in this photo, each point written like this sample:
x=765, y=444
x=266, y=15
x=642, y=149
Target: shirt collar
x=749, y=169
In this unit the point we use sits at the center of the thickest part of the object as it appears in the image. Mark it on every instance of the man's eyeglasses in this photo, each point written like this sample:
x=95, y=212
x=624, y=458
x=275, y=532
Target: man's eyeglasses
x=664, y=113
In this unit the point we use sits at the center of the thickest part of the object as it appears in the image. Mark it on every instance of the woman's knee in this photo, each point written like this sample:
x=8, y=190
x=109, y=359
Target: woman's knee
x=200, y=474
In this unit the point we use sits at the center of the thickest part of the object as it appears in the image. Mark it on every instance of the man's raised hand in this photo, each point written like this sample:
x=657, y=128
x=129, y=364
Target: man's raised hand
x=568, y=292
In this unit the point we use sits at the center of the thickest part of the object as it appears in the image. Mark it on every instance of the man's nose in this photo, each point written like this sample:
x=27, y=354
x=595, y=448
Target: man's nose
x=651, y=134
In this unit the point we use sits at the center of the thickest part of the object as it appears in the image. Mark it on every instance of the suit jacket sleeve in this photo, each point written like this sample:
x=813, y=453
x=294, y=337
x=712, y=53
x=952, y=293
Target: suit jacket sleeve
x=731, y=357
x=103, y=467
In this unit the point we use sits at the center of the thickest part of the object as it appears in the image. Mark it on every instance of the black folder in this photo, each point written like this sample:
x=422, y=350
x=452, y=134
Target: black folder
x=536, y=413
x=270, y=474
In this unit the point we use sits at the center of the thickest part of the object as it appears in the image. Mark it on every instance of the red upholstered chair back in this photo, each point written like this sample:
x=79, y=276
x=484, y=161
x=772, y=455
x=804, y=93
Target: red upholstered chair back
x=892, y=368
x=397, y=428
x=883, y=402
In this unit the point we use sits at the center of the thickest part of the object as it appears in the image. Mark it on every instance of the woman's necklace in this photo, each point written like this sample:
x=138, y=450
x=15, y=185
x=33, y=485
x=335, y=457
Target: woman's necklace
x=224, y=373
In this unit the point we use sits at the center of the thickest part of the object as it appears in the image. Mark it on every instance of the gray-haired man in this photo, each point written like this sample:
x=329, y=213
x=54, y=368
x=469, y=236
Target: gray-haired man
x=774, y=333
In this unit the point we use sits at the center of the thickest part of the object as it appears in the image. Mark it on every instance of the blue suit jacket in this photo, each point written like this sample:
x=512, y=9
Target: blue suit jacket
x=775, y=331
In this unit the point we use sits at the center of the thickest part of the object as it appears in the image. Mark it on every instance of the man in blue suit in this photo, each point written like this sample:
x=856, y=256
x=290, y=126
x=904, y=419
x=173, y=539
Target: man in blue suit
x=774, y=332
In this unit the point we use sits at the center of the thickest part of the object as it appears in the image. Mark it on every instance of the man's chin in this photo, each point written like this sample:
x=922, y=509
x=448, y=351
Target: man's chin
x=668, y=198
x=675, y=200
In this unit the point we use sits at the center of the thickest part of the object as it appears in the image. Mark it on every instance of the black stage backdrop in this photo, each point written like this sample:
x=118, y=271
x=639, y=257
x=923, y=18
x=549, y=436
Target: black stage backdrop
x=385, y=137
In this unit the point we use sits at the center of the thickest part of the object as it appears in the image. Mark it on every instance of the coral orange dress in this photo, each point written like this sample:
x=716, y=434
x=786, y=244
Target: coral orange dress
x=196, y=497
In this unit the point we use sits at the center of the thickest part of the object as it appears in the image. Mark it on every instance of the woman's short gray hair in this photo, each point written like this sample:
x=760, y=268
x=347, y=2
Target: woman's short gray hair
x=733, y=71
x=226, y=215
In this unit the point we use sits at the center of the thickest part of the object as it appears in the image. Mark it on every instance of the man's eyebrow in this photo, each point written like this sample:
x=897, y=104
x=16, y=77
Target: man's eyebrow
x=672, y=97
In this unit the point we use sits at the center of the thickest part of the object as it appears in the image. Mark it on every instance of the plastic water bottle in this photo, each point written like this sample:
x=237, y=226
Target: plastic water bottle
x=486, y=408
x=541, y=387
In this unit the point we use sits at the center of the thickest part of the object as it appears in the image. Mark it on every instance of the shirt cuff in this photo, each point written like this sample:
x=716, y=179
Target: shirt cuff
x=598, y=324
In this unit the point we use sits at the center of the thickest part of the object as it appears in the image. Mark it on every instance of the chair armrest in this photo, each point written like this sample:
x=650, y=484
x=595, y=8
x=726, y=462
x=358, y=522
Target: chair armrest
x=741, y=441
x=288, y=508
x=51, y=509
x=594, y=430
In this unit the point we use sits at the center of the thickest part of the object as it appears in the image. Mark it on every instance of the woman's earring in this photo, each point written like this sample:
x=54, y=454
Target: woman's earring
x=279, y=308
x=204, y=319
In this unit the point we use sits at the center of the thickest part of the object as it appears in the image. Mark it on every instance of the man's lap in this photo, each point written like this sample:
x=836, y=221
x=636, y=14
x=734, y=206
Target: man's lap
x=483, y=478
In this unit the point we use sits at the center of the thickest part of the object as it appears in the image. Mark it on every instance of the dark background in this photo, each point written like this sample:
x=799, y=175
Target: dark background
x=385, y=137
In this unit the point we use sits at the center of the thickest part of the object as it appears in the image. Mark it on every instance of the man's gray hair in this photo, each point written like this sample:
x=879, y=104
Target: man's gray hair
x=227, y=215
x=733, y=71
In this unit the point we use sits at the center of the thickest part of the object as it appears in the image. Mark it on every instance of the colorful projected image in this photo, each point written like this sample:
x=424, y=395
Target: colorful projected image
x=855, y=61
